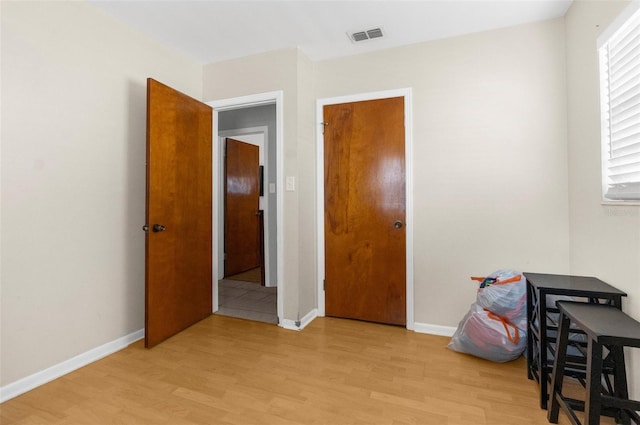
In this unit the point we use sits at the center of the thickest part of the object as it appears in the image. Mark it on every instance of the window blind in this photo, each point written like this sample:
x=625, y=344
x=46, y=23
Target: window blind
x=620, y=103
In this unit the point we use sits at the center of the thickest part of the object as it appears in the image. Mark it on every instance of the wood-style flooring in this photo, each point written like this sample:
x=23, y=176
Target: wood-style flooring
x=225, y=370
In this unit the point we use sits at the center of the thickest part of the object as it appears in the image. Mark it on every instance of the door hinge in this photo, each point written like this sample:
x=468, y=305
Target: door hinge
x=324, y=284
x=324, y=124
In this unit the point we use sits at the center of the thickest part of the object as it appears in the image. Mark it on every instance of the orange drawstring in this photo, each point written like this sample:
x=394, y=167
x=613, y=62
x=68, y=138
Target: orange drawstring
x=506, y=324
x=499, y=282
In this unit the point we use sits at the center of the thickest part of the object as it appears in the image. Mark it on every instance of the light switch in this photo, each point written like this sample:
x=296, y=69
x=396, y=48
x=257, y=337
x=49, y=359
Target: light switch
x=290, y=184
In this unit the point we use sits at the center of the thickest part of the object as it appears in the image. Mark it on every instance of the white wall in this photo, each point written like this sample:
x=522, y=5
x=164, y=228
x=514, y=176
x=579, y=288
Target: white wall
x=287, y=70
x=306, y=155
x=490, y=155
x=73, y=179
x=605, y=240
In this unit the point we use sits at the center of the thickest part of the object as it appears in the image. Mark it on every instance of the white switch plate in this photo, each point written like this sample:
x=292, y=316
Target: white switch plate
x=290, y=184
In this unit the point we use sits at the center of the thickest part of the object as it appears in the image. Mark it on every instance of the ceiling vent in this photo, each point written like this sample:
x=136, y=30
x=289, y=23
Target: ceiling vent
x=358, y=36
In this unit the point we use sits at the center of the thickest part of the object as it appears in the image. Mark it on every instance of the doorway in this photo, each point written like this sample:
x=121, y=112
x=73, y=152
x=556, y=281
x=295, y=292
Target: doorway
x=365, y=261
x=256, y=120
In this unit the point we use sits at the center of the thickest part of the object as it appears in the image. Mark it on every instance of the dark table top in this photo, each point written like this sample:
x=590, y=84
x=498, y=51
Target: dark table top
x=604, y=323
x=572, y=285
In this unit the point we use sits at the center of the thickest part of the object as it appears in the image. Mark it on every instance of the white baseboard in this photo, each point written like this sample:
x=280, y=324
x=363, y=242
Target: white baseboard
x=30, y=382
x=425, y=328
x=289, y=324
x=308, y=318
x=298, y=325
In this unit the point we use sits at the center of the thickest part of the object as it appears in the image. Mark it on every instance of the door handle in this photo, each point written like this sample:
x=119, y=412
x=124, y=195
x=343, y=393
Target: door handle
x=158, y=228
x=398, y=224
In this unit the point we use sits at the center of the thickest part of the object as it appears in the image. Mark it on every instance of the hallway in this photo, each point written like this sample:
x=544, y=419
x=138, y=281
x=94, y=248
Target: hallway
x=248, y=300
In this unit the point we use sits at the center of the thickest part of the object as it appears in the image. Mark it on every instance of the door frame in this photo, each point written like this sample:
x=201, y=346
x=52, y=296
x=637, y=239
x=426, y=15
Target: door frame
x=264, y=200
x=406, y=93
x=268, y=98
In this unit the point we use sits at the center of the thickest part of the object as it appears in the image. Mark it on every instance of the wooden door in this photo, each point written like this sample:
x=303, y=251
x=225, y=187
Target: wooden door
x=241, y=209
x=364, y=186
x=178, y=254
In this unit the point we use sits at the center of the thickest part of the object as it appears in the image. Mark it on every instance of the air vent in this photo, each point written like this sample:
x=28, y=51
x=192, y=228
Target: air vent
x=358, y=36
x=375, y=33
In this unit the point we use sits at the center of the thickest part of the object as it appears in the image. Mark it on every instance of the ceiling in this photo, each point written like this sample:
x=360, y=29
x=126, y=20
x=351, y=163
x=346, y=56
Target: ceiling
x=213, y=30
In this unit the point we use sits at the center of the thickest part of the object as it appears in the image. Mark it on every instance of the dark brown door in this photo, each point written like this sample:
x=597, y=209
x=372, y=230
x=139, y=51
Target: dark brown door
x=241, y=209
x=178, y=254
x=364, y=186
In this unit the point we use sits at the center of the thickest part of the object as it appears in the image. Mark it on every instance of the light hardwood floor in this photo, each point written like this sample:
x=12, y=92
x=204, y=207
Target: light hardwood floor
x=225, y=370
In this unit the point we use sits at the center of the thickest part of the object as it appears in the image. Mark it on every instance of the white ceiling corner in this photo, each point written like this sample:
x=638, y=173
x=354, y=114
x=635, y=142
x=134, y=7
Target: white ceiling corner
x=215, y=30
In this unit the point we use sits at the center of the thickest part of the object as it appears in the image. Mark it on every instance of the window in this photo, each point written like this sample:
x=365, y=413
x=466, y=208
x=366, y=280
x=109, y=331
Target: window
x=619, y=51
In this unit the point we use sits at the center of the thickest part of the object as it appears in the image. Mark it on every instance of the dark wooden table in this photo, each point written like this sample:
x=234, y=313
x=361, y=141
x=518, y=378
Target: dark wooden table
x=541, y=321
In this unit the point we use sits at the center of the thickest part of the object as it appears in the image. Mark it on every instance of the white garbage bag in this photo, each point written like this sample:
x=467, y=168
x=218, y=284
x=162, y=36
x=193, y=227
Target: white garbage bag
x=484, y=334
x=504, y=293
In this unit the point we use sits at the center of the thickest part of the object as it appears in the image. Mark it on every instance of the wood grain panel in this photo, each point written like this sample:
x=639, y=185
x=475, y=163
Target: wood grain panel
x=365, y=254
x=242, y=197
x=179, y=259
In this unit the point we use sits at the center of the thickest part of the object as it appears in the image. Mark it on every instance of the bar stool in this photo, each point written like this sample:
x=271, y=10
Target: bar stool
x=542, y=290
x=605, y=326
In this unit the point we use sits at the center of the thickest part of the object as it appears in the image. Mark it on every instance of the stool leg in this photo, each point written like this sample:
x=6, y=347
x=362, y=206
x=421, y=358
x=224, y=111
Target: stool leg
x=620, y=381
x=542, y=350
x=557, y=376
x=593, y=400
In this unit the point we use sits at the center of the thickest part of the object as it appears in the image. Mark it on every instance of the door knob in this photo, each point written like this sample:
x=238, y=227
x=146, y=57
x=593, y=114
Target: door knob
x=158, y=228
x=398, y=224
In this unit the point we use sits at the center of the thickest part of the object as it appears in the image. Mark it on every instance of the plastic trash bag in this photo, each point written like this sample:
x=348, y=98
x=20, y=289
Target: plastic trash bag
x=504, y=293
x=484, y=334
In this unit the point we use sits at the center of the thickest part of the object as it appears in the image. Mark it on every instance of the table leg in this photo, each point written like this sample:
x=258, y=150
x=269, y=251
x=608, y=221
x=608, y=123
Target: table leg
x=530, y=319
x=542, y=349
